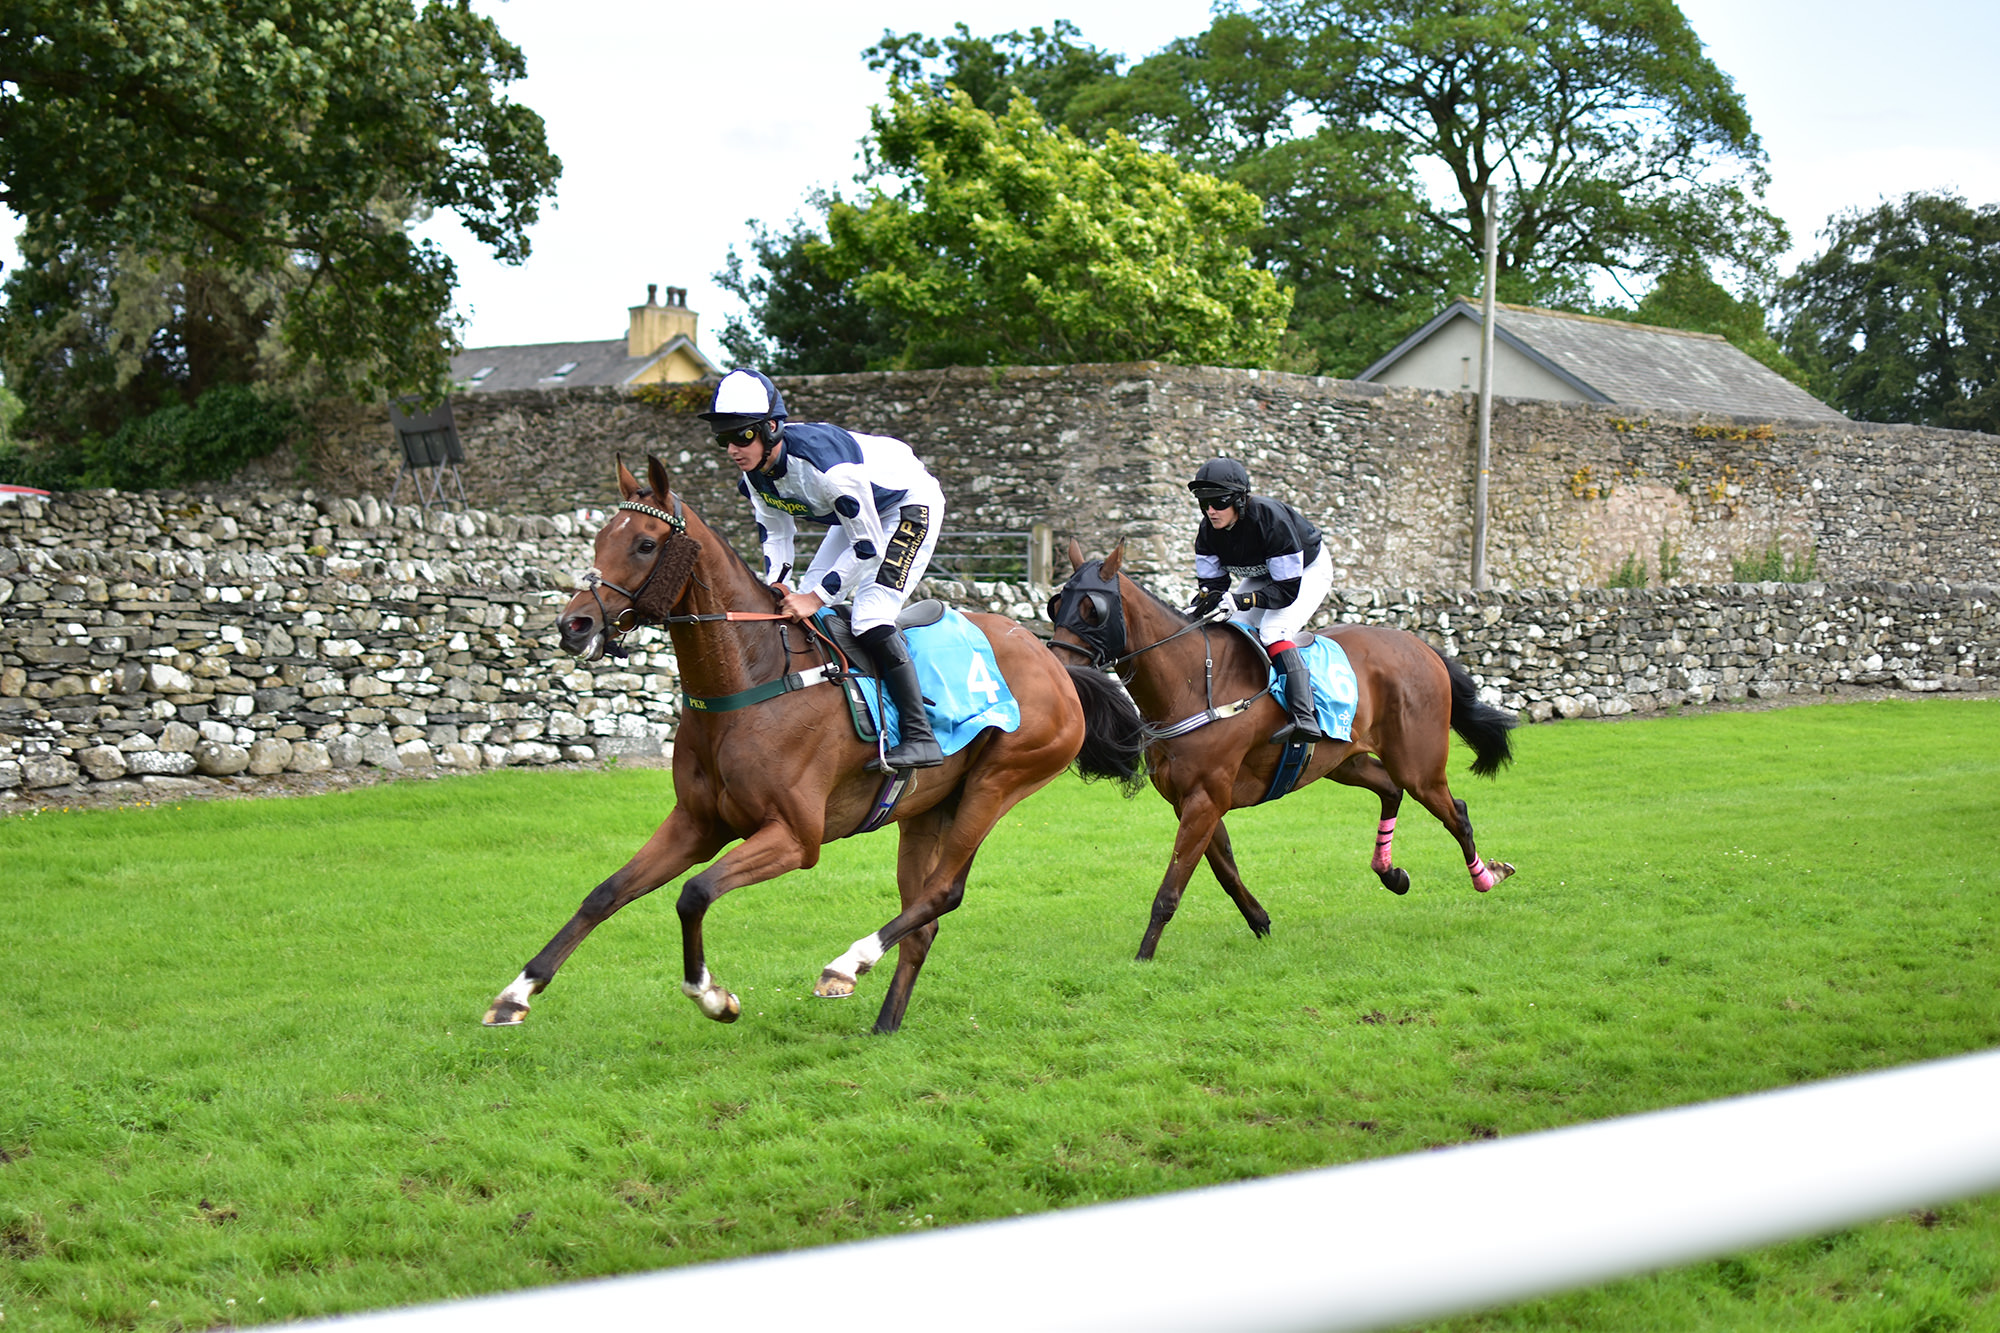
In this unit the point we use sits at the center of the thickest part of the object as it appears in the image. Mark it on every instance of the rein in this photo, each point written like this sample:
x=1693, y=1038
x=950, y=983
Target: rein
x=631, y=617
x=1212, y=713
x=1098, y=660
x=832, y=666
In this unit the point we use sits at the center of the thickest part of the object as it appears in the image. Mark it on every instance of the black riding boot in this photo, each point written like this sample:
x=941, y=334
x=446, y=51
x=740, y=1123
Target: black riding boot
x=918, y=747
x=1304, y=725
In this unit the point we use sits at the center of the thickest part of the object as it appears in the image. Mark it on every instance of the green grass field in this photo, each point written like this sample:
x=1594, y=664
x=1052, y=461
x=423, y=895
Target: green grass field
x=242, y=1076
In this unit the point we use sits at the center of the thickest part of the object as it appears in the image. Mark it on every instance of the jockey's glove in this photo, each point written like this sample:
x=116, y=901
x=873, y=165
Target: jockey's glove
x=1204, y=603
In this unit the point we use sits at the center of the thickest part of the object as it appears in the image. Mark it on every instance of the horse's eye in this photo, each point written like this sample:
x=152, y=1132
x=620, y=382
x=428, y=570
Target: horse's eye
x=1088, y=612
x=646, y=545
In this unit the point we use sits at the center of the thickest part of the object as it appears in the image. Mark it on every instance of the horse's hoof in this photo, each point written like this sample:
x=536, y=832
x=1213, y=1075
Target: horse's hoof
x=1500, y=870
x=1396, y=880
x=713, y=1001
x=505, y=1014
x=834, y=985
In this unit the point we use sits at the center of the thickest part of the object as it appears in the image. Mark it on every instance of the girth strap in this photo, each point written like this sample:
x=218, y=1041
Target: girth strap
x=887, y=799
x=1290, y=765
x=757, y=694
x=1206, y=716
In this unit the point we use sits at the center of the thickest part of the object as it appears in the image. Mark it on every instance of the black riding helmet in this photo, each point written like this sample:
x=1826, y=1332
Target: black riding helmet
x=1222, y=479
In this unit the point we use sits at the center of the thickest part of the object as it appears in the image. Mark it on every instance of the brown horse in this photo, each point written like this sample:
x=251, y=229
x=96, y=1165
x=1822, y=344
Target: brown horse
x=787, y=773
x=1204, y=690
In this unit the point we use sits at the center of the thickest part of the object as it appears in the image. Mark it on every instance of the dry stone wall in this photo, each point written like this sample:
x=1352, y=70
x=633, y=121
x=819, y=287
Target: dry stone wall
x=160, y=642
x=1604, y=652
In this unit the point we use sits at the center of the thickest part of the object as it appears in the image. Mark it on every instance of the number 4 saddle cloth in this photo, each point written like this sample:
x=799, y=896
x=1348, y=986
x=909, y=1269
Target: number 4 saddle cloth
x=962, y=685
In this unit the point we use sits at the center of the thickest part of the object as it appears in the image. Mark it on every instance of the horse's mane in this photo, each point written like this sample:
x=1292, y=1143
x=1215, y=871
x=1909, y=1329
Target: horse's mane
x=1174, y=613
x=646, y=492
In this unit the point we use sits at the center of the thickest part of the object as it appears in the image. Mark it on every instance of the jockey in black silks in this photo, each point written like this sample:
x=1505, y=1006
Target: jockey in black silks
x=1277, y=553
x=882, y=510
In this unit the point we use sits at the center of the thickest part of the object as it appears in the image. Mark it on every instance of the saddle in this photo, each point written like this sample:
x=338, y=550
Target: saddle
x=834, y=625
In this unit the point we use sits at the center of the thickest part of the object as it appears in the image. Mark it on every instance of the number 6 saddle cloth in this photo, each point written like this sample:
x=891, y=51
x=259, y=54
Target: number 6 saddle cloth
x=963, y=690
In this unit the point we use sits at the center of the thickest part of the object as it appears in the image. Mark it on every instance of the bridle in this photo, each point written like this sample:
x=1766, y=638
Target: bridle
x=632, y=617
x=1088, y=585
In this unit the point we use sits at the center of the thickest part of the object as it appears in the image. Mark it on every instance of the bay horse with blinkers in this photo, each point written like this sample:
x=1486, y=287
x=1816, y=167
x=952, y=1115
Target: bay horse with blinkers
x=783, y=775
x=1208, y=758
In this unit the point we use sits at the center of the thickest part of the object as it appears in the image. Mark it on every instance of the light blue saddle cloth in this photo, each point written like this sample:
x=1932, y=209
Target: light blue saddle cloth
x=961, y=682
x=1335, y=690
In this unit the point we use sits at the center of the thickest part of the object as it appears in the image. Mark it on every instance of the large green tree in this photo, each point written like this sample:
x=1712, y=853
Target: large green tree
x=1899, y=318
x=1617, y=147
x=258, y=162
x=1050, y=67
x=999, y=240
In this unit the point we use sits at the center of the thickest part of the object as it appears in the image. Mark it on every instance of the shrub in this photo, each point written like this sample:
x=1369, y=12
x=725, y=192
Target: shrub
x=1670, y=562
x=224, y=429
x=1772, y=565
x=1631, y=572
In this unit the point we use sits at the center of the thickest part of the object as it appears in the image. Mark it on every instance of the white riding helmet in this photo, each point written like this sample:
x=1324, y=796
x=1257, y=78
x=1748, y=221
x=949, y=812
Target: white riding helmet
x=742, y=398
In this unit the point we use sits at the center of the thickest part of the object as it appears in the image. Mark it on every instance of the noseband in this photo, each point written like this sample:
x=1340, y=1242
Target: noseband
x=628, y=619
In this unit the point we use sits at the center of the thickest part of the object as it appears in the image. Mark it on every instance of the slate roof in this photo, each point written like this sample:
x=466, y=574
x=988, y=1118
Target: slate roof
x=534, y=365
x=1636, y=365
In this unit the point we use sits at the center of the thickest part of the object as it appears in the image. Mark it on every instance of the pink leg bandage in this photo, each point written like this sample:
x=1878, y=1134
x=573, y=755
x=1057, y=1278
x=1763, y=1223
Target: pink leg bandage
x=1482, y=878
x=1385, y=833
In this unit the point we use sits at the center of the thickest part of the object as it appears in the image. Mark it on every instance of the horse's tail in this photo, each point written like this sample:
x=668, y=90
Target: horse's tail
x=1482, y=726
x=1115, y=737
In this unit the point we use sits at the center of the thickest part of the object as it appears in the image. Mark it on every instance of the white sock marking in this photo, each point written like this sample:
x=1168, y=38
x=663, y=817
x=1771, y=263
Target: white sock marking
x=863, y=954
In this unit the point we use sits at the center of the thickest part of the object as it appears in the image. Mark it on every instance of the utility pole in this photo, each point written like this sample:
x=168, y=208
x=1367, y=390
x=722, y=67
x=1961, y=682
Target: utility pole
x=1485, y=389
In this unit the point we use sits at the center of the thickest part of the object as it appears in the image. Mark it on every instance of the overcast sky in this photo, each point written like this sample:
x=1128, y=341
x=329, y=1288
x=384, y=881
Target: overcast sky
x=677, y=123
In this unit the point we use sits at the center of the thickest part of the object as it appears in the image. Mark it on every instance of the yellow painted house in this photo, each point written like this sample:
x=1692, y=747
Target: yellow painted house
x=659, y=347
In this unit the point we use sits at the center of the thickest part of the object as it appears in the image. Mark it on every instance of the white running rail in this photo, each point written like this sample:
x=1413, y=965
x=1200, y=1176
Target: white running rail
x=1372, y=1245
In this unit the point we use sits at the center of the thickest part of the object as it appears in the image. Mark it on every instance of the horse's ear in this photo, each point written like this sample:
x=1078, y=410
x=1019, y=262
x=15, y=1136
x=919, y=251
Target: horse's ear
x=628, y=485
x=656, y=474
x=1075, y=554
x=1109, y=569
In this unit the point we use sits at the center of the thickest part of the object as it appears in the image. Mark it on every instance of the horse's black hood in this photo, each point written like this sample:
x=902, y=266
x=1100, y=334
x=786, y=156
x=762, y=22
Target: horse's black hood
x=1105, y=633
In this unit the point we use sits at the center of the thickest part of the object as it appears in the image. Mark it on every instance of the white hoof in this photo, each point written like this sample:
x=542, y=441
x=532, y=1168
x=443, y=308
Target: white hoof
x=714, y=1001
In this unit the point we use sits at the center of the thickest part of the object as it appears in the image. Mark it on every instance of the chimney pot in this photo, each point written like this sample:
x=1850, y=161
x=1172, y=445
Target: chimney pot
x=652, y=289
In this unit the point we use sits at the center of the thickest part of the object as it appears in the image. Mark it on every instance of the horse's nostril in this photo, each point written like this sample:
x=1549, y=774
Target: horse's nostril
x=577, y=624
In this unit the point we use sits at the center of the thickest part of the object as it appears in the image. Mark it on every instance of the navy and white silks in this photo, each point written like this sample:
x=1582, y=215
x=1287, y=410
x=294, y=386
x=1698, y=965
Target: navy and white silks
x=1274, y=552
x=882, y=510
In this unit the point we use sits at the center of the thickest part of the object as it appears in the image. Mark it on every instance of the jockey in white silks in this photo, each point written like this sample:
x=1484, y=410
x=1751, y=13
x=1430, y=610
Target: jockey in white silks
x=881, y=508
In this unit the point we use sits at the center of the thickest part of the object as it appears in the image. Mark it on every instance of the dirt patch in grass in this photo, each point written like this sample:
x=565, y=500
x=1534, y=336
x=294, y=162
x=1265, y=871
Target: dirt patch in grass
x=118, y=795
